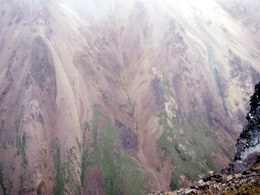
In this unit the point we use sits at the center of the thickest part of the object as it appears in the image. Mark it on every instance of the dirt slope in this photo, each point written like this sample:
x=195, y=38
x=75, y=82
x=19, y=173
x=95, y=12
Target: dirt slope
x=139, y=93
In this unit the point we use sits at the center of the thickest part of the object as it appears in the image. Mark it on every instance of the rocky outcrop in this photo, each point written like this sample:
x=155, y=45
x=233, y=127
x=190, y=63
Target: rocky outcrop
x=246, y=181
x=242, y=176
x=249, y=140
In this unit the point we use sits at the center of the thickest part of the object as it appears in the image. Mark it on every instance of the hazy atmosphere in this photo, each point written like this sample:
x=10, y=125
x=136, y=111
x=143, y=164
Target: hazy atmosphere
x=124, y=96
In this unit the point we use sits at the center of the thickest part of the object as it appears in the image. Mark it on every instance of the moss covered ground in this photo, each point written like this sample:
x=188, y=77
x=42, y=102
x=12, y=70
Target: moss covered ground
x=121, y=173
x=191, y=151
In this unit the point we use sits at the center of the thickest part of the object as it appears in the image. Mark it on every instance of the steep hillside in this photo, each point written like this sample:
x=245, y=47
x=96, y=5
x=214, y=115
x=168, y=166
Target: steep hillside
x=247, y=14
x=242, y=176
x=118, y=96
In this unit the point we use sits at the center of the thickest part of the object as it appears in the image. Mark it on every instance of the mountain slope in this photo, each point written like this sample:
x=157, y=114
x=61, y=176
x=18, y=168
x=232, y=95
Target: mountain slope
x=99, y=95
x=243, y=173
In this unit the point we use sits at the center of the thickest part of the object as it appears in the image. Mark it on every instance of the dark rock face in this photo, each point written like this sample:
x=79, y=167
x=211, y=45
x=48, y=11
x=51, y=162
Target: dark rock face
x=127, y=136
x=41, y=189
x=244, y=166
x=42, y=68
x=158, y=92
x=249, y=140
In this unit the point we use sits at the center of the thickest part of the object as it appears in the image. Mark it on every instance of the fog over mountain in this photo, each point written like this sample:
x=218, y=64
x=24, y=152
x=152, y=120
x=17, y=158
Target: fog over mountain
x=122, y=96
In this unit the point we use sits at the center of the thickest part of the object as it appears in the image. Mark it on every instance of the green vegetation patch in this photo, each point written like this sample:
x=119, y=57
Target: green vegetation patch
x=5, y=183
x=191, y=150
x=60, y=169
x=120, y=172
x=2, y=181
x=21, y=144
x=67, y=175
x=1, y=128
x=132, y=176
